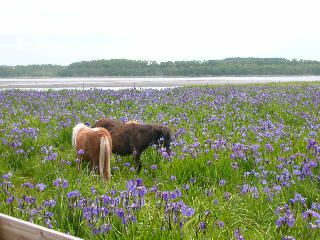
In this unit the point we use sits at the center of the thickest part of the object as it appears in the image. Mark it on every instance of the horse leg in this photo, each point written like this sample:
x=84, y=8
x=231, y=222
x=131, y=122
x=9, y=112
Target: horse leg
x=167, y=146
x=78, y=163
x=137, y=160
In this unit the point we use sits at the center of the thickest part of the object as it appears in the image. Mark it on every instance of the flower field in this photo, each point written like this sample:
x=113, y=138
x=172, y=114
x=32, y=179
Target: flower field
x=244, y=163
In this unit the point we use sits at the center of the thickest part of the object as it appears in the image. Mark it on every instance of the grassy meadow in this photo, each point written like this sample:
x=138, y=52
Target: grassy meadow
x=244, y=163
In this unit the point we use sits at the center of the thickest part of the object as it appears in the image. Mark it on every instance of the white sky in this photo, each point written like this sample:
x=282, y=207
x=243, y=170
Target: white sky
x=66, y=31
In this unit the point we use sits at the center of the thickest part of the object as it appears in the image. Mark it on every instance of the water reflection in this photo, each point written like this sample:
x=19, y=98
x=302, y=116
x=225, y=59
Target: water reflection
x=141, y=82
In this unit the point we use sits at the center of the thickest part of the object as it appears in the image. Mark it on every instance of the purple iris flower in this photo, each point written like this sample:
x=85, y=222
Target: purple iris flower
x=7, y=176
x=165, y=196
x=139, y=182
x=238, y=235
x=80, y=152
x=60, y=182
x=173, y=178
x=27, y=184
x=222, y=182
x=10, y=198
x=127, y=164
x=50, y=203
x=269, y=147
x=41, y=186
x=188, y=212
x=154, y=166
x=235, y=165
x=298, y=197
x=51, y=157
x=287, y=218
x=288, y=238
x=20, y=151
x=202, y=226
x=73, y=194
x=220, y=224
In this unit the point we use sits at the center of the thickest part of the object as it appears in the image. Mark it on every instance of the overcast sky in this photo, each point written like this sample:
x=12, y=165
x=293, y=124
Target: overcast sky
x=66, y=31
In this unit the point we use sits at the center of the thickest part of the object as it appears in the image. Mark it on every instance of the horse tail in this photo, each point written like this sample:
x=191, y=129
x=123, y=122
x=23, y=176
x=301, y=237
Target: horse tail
x=104, y=158
x=75, y=132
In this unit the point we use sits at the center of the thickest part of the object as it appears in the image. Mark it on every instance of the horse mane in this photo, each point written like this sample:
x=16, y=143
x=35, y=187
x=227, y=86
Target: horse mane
x=132, y=121
x=75, y=132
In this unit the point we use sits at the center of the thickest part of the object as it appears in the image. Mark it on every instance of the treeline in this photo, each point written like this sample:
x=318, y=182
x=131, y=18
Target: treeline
x=123, y=67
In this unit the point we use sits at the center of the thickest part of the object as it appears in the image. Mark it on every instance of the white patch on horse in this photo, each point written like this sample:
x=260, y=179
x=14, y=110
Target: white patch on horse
x=75, y=132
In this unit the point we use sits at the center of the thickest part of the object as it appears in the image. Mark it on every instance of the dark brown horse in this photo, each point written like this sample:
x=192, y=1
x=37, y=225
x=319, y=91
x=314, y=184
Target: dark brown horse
x=133, y=137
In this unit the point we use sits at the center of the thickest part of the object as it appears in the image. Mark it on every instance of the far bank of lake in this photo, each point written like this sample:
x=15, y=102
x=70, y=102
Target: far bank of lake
x=143, y=82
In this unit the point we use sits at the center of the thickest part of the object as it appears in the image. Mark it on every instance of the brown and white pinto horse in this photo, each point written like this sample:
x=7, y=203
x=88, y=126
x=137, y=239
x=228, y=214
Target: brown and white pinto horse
x=96, y=146
x=133, y=137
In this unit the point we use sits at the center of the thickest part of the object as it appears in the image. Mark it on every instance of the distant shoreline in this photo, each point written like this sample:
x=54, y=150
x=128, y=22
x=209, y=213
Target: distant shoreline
x=122, y=67
x=173, y=77
x=145, y=82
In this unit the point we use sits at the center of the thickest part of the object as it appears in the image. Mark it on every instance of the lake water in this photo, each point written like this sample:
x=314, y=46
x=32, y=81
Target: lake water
x=141, y=82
